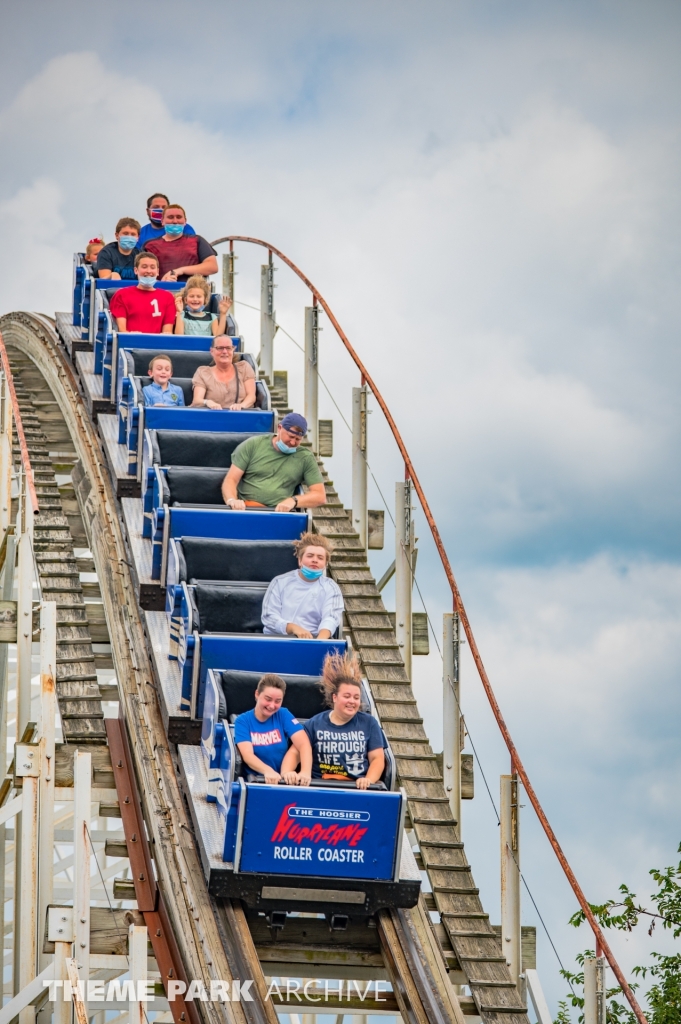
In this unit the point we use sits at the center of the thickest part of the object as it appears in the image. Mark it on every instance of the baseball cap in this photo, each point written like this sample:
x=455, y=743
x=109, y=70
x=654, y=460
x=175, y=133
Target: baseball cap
x=294, y=421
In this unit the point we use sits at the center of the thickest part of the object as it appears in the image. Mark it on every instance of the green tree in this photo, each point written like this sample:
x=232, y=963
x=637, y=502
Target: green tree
x=663, y=998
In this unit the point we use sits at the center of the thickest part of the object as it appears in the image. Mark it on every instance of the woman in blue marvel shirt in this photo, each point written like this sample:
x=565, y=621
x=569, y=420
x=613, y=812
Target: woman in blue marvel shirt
x=263, y=734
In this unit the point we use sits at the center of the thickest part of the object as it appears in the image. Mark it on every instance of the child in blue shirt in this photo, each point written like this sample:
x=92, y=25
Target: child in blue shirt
x=263, y=734
x=161, y=391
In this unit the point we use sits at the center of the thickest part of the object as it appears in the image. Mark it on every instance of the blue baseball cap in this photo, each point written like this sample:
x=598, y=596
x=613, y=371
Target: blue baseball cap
x=294, y=421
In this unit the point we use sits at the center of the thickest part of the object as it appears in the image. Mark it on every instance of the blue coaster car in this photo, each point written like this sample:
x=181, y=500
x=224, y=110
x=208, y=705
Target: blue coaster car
x=134, y=418
x=254, y=653
x=164, y=450
x=208, y=561
x=329, y=848
x=173, y=518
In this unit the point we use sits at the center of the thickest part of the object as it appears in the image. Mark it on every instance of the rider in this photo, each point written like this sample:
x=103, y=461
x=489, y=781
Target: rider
x=347, y=743
x=262, y=736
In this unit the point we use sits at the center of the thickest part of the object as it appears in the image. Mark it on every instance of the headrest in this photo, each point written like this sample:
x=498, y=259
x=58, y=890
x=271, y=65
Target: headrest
x=189, y=485
x=199, y=448
x=303, y=697
x=262, y=560
x=229, y=609
x=185, y=363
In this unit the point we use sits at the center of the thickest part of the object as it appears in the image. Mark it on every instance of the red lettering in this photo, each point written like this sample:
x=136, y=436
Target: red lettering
x=288, y=828
x=283, y=825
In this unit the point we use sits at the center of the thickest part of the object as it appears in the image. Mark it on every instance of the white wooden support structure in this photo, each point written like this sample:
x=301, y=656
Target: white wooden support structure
x=6, y=593
x=5, y=454
x=60, y=931
x=268, y=325
x=27, y=767
x=312, y=375
x=25, y=574
x=228, y=272
x=404, y=564
x=137, y=955
x=46, y=749
x=360, y=516
x=594, y=990
x=82, y=796
x=536, y=994
x=451, y=714
x=510, y=877
x=79, y=1005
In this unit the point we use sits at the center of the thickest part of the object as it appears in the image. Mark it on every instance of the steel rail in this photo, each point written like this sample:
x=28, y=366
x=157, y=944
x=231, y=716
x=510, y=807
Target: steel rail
x=26, y=462
x=459, y=607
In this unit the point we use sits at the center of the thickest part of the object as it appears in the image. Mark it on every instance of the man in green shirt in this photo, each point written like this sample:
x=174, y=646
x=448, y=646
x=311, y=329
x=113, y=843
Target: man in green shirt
x=267, y=469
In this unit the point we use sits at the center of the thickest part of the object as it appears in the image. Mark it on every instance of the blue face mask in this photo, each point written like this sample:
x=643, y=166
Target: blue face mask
x=174, y=229
x=126, y=243
x=148, y=282
x=197, y=309
x=311, y=574
x=284, y=448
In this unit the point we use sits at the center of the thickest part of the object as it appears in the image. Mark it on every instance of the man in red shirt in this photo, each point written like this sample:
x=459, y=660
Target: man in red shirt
x=181, y=256
x=144, y=309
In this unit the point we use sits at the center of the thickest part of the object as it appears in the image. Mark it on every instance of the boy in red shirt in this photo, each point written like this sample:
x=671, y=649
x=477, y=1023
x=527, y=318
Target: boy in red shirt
x=144, y=309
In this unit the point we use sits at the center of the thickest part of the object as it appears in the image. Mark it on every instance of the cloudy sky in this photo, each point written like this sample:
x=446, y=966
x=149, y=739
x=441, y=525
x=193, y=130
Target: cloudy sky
x=488, y=196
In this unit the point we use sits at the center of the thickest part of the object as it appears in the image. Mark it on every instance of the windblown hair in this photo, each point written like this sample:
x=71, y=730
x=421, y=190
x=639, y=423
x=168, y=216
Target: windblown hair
x=270, y=679
x=196, y=281
x=312, y=540
x=339, y=669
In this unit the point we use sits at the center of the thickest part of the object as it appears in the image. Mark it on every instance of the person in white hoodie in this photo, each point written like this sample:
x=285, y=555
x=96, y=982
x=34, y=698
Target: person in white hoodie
x=305, y=603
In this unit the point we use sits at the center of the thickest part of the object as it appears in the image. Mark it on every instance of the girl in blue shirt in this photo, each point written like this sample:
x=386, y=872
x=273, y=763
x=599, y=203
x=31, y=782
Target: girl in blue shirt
x=263, y=734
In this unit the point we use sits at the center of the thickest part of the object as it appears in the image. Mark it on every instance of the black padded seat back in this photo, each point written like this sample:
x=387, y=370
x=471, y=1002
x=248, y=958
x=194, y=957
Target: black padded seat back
x=208, y=558
x=185, y=363
x=189, y=486
x=303, y=697
x=182, y=382
x=229, y=608
x=198, y=448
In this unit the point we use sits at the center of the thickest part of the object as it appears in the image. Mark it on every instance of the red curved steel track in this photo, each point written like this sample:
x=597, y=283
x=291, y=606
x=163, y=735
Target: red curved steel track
x=459, y=607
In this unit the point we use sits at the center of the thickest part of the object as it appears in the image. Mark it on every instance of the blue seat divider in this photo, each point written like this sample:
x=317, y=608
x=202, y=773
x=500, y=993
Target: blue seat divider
x=251, y=653
x=220, y=523
x=79, y=274
x=252, y=421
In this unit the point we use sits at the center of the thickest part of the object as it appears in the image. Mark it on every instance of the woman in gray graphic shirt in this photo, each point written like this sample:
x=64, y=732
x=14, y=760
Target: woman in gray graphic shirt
x=347, y=744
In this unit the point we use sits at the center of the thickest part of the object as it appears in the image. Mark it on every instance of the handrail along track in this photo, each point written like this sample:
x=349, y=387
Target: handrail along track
x=516, y=762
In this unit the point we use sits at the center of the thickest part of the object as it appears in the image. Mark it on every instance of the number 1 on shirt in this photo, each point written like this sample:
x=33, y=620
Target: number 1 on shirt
x=157, y=311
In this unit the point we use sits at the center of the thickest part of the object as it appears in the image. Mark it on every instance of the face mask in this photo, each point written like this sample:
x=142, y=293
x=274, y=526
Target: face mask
x=284, y=448
x=148, y=282
x=196, y=309
x=174, y=229
x=311, y=574
x=156, y=214
x=127, y=242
